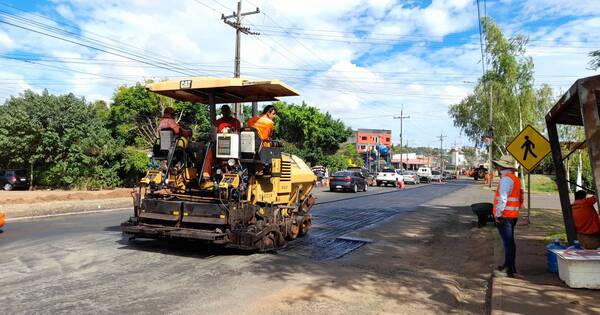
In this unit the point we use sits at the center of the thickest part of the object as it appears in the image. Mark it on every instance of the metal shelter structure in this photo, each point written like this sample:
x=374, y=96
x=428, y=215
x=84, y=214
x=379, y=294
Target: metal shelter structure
x=579, y=106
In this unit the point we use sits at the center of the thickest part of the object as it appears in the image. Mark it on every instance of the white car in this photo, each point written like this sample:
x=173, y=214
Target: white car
x=410, y=177
x=388, y=176
x=436, y=176
x=424, y=174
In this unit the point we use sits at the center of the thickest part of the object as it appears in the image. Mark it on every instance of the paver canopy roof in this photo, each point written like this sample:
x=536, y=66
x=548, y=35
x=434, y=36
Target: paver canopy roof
x=224, y=90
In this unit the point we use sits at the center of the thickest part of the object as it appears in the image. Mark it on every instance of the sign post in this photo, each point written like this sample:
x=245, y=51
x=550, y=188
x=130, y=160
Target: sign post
x=529, y=148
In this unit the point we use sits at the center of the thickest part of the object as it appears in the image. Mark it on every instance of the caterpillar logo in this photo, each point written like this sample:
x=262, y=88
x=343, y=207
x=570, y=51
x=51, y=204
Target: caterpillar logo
x=185, y=84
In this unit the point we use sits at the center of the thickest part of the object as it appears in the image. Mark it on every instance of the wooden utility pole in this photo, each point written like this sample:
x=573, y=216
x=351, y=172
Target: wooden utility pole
x=401, y=117
x=441, y=137
x=235, y=20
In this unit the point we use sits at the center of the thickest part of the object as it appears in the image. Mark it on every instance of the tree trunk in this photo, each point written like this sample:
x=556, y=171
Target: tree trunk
x=31, y=175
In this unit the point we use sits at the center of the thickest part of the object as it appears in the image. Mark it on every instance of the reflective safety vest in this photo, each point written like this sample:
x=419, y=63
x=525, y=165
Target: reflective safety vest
x=264, y=128
x=514, y=202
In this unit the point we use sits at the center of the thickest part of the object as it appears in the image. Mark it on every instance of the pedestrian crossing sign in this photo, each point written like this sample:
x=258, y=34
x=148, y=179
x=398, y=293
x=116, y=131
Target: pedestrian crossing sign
x=529, y=148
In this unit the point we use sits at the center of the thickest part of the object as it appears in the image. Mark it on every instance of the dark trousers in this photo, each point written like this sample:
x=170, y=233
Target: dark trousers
x=506, y=228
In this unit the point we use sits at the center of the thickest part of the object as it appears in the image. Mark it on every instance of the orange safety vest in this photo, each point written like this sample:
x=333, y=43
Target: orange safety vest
x=264, y=127
x=514, y=202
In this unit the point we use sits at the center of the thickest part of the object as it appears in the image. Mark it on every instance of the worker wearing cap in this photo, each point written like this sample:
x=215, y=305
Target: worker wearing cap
x=227, y=122
x=167, y=121
x=508, y=201
x=264, y=124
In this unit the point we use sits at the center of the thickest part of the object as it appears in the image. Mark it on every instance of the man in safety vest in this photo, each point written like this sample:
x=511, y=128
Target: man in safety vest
x=264, y=124
x=508, y=200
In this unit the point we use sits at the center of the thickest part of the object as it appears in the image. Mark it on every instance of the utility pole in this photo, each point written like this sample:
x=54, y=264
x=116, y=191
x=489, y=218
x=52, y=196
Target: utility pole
x=401, y=117
x=441, y=137
x=235, y=20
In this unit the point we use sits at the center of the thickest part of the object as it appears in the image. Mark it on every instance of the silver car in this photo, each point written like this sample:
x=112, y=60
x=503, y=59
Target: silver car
x=410, y=177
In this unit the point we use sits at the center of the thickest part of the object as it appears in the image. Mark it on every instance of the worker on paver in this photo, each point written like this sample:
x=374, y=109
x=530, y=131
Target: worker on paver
x=167, y=121
x=585, y=218
x=508, y=200
x=264, y=124
x=227, y=122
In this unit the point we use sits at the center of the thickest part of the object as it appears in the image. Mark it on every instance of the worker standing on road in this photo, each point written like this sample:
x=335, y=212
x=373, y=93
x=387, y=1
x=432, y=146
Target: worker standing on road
x=585, y=218
x=264, y=124
x=508, y=200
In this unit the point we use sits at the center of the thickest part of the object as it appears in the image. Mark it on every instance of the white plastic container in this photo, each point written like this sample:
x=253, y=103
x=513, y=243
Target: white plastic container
x=579, y=268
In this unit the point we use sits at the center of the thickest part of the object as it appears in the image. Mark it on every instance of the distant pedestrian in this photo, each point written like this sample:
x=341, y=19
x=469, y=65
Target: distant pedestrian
x=508, y=201
x=585, y=218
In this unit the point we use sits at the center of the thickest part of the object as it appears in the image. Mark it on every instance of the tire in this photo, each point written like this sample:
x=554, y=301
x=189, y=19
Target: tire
x=365, y=188
x=332, y=189
x=355, y=188
x=8, y=187
x=378, y=184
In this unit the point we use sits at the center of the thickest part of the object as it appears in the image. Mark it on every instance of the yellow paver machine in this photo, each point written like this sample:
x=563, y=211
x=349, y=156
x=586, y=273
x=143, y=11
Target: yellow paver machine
x=229, y=189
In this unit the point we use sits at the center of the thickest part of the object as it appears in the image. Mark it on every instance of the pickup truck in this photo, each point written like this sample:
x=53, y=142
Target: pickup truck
x=388, y=176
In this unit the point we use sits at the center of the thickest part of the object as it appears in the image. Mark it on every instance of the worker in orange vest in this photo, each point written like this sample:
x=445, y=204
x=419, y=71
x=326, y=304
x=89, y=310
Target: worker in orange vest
x=508, y=201
x=264, y=124
x=585, y=218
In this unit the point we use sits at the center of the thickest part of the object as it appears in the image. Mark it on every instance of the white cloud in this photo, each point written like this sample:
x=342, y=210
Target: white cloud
x=347, y=74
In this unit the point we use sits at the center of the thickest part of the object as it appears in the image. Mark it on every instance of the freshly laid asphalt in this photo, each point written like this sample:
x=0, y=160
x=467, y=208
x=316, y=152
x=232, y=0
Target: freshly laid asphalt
x=80, y=263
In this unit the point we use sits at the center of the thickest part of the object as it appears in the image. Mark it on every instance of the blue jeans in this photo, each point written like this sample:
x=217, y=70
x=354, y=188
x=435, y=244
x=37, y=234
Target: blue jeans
x=506, y=228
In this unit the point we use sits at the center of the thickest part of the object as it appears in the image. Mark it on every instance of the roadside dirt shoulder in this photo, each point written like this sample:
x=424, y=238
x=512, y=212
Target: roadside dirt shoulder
x=18, y=204
x=431, y=260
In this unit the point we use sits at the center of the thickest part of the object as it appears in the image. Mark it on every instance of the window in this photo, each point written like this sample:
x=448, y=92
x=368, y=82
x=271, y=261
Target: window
x=363, y=138
x=362, y=147
x=387, y=139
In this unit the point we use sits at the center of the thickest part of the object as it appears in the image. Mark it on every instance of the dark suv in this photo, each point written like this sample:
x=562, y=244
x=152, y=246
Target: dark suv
x=10, y=179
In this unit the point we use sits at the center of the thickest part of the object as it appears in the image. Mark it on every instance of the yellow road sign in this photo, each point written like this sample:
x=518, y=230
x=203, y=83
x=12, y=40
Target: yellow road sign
x=529, y=148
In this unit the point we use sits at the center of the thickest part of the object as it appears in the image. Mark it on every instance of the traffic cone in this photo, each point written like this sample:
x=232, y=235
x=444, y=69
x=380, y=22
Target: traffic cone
x=401, y=184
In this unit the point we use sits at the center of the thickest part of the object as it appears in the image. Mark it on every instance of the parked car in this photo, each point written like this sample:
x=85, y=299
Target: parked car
x=410, y=177
x=348, y=180
x=388, y=176
x=424, y=174
x=448, y=175
x=11, y=179
x=436, y=176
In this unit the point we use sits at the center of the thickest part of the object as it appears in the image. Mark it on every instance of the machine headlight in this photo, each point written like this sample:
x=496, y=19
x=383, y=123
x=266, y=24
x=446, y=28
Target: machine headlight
x=231, y=162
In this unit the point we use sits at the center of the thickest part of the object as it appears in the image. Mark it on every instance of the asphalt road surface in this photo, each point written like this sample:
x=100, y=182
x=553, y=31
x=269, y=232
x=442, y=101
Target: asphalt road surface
x=80, y=263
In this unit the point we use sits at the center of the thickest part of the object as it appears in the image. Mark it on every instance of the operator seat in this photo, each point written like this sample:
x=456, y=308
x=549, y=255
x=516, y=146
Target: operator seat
x=166, y=138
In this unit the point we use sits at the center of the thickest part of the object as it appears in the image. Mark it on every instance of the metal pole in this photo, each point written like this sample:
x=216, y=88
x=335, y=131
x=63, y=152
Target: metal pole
x=401, y=117
x=236, y=73
x=239, y=29
x=561, y=180
x=529, y=197
x=490, y=169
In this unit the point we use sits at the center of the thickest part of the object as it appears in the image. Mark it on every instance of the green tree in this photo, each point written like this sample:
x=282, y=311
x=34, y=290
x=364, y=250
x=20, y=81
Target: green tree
x=135, y=114
x=59, y=139
x=349, y=154
x=309, y=133
x=508, y=83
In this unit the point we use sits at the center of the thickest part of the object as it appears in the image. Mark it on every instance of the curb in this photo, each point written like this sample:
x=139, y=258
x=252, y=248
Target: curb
x=54, y=208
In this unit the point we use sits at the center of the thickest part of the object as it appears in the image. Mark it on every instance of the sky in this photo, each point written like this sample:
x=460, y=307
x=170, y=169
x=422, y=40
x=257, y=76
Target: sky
x=363, y=61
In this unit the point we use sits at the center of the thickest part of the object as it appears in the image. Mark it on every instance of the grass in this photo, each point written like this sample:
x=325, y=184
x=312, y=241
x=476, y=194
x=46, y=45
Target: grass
x=542, y=183
x=551, y=222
